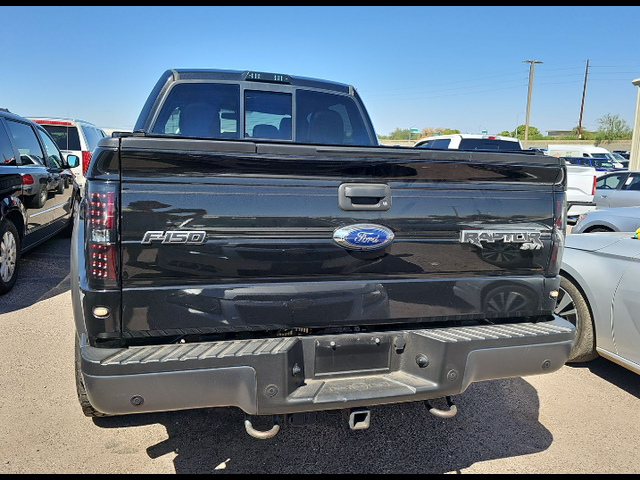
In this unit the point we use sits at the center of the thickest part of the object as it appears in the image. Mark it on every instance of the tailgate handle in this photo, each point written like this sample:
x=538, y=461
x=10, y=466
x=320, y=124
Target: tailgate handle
x=364, y=196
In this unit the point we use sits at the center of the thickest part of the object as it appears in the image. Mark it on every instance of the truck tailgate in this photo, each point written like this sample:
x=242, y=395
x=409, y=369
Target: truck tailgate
x=268, y=213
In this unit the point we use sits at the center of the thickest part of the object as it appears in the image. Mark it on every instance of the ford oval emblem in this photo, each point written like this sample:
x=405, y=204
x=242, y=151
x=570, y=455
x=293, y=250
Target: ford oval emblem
x=363, y=236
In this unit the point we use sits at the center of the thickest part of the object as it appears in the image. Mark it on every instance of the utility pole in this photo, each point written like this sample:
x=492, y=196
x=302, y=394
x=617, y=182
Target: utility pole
x=526, y=125
x=584, y=91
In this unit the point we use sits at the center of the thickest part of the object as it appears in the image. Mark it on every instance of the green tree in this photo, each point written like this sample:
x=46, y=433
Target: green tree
x=612, y=127
x=429, y=132
x=399, y=134
x=534, y=133
x=584, y=135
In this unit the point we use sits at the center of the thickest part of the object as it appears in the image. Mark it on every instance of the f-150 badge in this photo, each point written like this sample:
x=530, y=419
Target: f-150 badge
x=526, y=239
x=175, y=238
x=363, y=236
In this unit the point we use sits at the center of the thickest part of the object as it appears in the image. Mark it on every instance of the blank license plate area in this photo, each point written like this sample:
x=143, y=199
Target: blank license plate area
x=359, y=355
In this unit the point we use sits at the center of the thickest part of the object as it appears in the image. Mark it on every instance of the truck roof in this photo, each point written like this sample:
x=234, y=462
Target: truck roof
x=173, y=75
x=252, y=75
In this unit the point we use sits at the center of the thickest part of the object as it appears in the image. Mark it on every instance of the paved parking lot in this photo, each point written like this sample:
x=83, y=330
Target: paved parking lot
x=578, y=420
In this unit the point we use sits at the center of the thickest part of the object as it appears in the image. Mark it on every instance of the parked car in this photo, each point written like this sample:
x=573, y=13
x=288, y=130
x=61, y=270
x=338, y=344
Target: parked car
x=621, y=159
x=581, y=187
x=469, y=142
x=538, y=149
x=624, y=219
x=590, y=151
x=602, y=165
x=623, y=153
x=599, y=295
x=73, y=136
x=618, y=189
x=38, y=193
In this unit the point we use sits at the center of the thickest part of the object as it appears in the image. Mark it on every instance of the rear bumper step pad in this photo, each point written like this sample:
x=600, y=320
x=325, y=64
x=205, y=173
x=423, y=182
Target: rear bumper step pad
x=291, y=375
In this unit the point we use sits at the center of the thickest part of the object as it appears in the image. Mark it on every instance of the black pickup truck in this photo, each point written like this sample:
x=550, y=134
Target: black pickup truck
x=251, y=245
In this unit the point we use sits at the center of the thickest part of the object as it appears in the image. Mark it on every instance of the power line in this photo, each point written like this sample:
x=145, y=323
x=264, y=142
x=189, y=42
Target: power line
x=455, y=82
x=444, y=89
x=615, y=66
x=451, y=94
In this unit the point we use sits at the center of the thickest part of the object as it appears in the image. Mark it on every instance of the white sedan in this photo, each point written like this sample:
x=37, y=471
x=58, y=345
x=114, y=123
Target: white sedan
x=599, y=294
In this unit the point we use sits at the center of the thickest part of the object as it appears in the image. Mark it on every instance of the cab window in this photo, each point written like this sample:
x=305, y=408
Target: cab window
x=206, y=110
x=441, y=144
x=325, y=118
x=267, y=115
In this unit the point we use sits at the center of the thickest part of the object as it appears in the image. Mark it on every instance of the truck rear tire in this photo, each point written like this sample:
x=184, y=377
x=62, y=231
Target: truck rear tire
x=85, y=404
x=573, y=307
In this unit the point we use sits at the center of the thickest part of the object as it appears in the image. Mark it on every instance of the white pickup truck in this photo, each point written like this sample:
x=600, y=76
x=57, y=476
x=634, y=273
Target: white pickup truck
x=581, y=186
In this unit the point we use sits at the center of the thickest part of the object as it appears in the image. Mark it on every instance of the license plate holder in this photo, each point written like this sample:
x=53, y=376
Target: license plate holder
x=363, y=354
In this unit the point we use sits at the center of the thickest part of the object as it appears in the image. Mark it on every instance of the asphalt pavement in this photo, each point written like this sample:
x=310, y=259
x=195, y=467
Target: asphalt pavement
x=581, y=419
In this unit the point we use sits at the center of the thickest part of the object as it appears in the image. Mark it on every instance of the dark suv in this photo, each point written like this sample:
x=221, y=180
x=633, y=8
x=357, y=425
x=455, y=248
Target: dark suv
x=38, y=193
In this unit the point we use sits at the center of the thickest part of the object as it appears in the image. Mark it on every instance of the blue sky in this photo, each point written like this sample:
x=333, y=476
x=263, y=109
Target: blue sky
x=449, y=67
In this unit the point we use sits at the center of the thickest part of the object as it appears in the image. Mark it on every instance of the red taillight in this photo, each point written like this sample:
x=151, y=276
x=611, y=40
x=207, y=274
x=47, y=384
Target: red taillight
x=100, y=218
x=103, y=262
x=27, y=179
x=86, y=158
x=593, y=190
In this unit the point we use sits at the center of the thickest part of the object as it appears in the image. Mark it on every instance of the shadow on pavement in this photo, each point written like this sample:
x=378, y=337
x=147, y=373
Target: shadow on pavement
x=496, y=419
x=615, y=374
x=44, y=273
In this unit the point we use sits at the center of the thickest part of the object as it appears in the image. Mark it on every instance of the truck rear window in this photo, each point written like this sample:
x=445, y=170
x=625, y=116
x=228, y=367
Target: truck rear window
x=267, y=115
x=209, y=110
x=487, y=144
x=329, y=119
x=438, y=144
x=212, y=110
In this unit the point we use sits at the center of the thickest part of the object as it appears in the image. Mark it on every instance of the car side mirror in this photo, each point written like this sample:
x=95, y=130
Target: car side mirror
x=73, y=161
